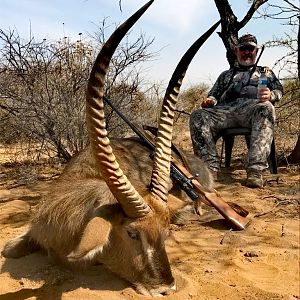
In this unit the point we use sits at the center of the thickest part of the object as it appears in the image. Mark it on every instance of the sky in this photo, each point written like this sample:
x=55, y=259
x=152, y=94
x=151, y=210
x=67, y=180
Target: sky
x=175, y=25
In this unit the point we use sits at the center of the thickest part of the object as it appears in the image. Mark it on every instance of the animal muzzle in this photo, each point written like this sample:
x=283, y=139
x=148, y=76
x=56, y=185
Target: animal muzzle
x=156, y=280
x=158, y=291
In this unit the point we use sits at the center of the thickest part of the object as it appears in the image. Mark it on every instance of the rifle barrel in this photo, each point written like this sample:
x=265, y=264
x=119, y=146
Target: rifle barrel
x=131, y=125
x=190, y=185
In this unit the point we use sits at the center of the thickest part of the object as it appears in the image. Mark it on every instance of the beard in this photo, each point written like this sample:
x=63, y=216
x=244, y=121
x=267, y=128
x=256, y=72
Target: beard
x=247, y=62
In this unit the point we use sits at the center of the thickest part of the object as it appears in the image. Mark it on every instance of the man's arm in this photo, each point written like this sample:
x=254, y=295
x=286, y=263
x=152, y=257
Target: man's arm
x=217, y=90
x=276, y=88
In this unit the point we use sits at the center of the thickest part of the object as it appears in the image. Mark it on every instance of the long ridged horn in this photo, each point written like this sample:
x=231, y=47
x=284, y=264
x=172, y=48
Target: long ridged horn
x=161, y=168
x=132, y=203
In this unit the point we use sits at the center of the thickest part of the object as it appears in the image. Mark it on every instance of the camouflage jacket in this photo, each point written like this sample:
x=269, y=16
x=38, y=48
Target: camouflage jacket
x=236, y=83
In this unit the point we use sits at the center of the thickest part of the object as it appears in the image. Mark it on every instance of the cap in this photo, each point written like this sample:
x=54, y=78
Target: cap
x=247, y=39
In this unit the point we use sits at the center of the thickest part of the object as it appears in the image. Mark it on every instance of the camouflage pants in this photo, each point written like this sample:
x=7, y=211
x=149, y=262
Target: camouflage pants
x=206, y=123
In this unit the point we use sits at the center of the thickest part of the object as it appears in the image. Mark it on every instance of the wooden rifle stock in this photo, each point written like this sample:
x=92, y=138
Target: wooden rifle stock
x=190, y=185
x=213, y=199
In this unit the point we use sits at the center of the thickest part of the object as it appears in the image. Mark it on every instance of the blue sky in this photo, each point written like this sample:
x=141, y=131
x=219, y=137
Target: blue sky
x=175, y=25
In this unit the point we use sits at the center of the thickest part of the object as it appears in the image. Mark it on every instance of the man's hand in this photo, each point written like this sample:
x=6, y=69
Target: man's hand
x=207, y=103
x=264, y=95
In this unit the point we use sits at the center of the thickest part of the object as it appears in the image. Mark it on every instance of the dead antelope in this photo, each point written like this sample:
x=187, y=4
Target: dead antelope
x=93, y=213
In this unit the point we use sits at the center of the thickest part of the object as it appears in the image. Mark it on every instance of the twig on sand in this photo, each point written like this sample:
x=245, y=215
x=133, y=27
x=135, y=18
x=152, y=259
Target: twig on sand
x=282, y=230
x=16, y=185
x=271, y=196
x=226, y=233
x=281, y=202
x=273, y=180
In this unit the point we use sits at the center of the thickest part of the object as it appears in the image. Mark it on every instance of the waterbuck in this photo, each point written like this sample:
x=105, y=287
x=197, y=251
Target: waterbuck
x=93, y=213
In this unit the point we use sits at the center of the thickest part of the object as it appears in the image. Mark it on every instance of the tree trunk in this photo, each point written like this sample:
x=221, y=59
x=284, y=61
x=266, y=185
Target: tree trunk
x=298, y=43
x=230, y=25
x=294, y=157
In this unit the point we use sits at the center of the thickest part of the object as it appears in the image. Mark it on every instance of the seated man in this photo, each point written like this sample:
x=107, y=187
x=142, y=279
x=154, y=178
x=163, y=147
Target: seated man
x=234, y=101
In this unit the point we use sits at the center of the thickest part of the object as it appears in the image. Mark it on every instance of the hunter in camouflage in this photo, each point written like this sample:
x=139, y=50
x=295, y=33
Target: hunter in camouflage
x=234, y=101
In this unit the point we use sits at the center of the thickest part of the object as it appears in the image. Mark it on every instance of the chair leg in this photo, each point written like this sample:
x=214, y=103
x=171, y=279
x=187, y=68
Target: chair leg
x=247, y=138
x=272, y=159
x=221, y=156
x=229, y=141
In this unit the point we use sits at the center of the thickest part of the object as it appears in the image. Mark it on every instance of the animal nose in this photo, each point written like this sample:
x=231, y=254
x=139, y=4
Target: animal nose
x=164, y=290
x=170, y=290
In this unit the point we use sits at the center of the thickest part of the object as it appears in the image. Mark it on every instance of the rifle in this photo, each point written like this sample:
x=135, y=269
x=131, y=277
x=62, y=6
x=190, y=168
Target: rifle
x=188, y=182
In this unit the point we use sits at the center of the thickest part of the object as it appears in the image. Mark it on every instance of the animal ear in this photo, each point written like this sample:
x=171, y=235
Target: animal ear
x=95, y=236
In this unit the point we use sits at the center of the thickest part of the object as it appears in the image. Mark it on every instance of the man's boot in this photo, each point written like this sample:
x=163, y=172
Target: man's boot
x=254, y=179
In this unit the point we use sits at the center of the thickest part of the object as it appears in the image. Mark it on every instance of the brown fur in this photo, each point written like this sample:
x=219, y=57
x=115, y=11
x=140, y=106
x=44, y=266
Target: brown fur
x=134, y=159
x=79, y=220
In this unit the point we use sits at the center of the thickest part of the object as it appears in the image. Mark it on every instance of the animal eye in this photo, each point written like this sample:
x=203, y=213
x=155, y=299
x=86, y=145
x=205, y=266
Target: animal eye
x=133, y=234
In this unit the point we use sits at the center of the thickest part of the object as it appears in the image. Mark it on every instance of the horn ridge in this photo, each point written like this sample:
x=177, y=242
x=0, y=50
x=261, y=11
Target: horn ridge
x=132, y=203
x=162, y=156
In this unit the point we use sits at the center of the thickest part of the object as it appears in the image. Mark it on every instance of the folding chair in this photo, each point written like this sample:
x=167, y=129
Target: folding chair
x=228, y=140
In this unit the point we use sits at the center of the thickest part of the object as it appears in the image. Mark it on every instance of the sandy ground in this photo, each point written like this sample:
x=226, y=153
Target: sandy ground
x=208, y=259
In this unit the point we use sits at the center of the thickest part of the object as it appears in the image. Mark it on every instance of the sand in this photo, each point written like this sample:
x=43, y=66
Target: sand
x=208, y=258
